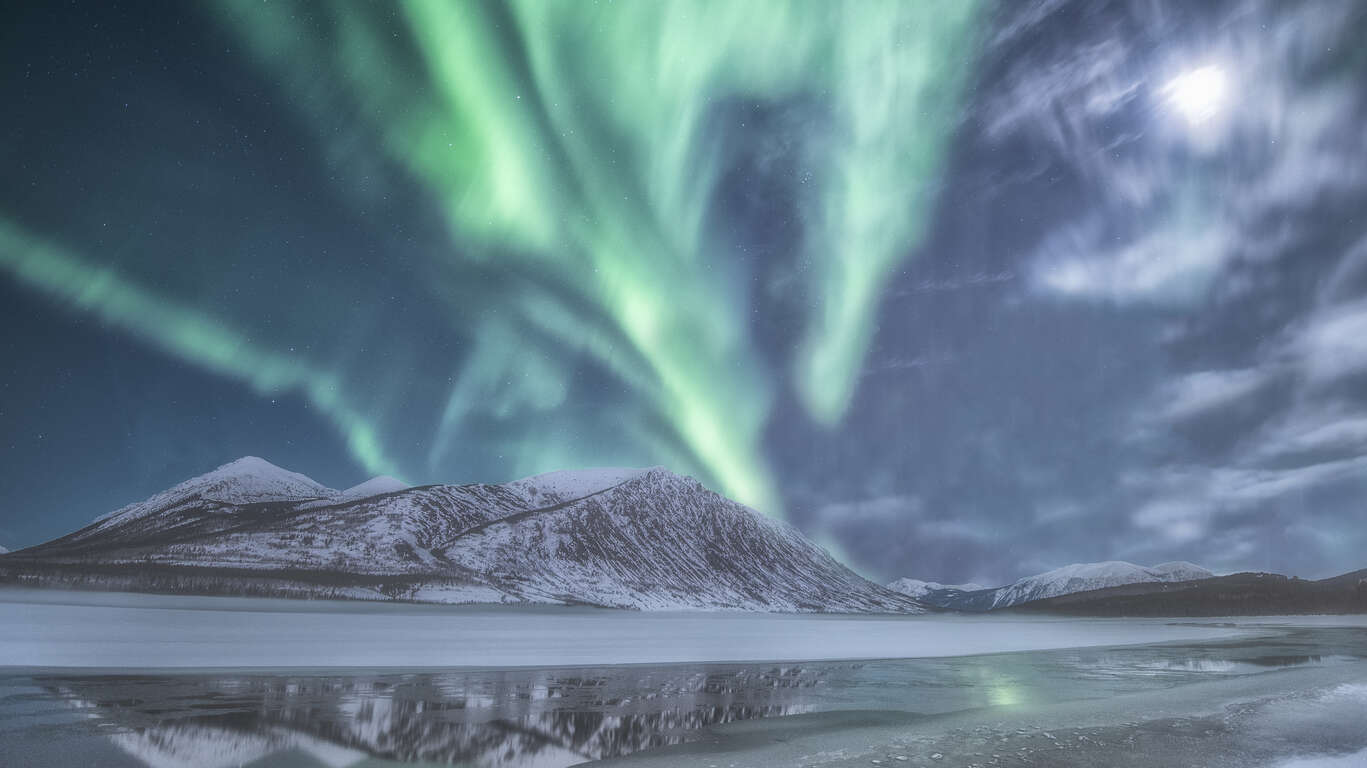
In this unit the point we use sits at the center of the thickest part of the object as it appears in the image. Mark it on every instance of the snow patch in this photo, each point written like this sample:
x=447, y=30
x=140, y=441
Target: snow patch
x=1181, y=570
x=1085, y=577
x=918, y=588
x=555, y=487
x=373, y=487
x=251, y=479
x=244, y=481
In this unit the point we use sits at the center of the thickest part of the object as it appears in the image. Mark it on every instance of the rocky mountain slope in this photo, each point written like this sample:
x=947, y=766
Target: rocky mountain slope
x=645, y=539
x=1070, y=579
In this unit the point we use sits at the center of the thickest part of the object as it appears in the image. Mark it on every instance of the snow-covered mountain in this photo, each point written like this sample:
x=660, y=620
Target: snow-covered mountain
x=1085, y=577
x=921, y=589
x=645, y=539
x=247, y=480
x=1070, y=579
x=373, y=487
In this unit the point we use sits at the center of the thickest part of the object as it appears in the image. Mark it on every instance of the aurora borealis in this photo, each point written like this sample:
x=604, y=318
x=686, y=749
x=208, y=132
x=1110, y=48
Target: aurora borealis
x=949, y=285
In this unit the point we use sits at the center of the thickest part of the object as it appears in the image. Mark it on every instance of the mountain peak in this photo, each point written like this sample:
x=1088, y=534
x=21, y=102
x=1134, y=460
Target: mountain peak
x=250, y=479
x=1084, y=577
x=246, y=480
x=919, y=589
x=1183, y=569
x=375, y=486
x=246, y=465
x=635, y=538
x=566, y=484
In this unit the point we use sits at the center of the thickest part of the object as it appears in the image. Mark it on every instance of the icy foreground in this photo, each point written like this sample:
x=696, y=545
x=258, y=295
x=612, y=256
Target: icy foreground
x=1284, y=693
x=627, y=538
x=1295, y=718
x=51, y=628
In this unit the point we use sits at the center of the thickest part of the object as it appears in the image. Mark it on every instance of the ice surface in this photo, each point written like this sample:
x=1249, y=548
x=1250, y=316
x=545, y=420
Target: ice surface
x=1293, y=695
x=1293, y=718
x=1355, y=760
x=49, y=628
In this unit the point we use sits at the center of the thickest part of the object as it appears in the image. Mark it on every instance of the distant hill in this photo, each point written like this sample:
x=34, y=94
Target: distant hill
x=1080, y=577
x=1240, y=594
x=629, y=538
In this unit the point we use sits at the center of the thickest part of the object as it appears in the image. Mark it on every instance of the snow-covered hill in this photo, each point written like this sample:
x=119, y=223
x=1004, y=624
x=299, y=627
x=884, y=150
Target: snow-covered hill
x=1070, y=579
x=247, y=480
x=1084, y=577
x=920, y=589
x=645, y=539
x=373, y=487
x=555, y=487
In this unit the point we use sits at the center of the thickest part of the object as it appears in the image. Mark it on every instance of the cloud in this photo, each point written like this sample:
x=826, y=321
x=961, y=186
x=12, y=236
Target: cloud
x=1178, y=520
x=898, y=535
x=1315, y=442
x=1196, y=394
x=1191, y=500
x=880, y=510
x=1328, y=431
x=1333, y=343
x=967, y=282
x=1241, y=230
x=1165, y=266
x=1168, y=206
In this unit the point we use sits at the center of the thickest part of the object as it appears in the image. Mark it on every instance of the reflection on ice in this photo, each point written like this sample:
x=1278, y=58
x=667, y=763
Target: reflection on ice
x=543, y=718
x=548, y=718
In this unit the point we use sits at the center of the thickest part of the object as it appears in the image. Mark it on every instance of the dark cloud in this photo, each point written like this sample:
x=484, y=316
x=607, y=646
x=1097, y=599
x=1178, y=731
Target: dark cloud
x=1205, y=277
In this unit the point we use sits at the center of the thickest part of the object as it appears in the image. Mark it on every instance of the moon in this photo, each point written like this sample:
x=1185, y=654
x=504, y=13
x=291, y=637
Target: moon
x=1198, y=95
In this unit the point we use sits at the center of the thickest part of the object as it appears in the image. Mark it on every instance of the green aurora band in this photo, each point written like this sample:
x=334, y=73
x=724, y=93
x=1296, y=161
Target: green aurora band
x=187, y=333
x=570, y=148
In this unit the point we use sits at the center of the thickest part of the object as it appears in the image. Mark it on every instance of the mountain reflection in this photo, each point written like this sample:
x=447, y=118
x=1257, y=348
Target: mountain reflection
x=546, y=718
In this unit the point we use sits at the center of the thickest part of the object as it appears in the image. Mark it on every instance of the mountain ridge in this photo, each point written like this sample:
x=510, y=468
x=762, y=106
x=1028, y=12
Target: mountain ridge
x=649, y=540
x=1236, y=594
x=1068, y=579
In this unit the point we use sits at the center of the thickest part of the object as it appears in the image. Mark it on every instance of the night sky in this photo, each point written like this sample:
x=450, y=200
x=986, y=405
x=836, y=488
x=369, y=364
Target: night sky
x=965, y=291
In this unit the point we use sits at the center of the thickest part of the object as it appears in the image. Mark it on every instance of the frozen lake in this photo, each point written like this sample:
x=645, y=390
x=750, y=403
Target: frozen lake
x=1281, y=693
x=42, y=628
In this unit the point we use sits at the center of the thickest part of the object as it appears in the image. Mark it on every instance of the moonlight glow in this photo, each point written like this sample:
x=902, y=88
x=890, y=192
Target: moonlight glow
x=1199, y=95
